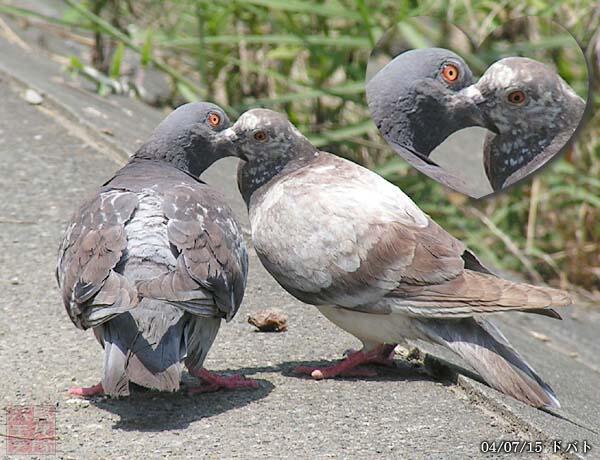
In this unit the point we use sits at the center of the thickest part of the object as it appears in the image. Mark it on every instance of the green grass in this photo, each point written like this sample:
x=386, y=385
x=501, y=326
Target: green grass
x=309, y=58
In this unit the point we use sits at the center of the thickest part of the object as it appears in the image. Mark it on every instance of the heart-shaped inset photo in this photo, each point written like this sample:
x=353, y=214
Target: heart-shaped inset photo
x=477, y=118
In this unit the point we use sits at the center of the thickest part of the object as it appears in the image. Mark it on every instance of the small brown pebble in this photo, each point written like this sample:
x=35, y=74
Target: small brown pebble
x=269, y=321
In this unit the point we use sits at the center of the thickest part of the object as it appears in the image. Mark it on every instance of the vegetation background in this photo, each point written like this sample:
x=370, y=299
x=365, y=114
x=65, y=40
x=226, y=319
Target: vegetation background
x=309, y=59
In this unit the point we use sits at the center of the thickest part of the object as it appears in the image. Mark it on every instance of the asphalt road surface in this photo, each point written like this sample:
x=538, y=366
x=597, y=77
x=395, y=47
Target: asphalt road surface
x=53, y=154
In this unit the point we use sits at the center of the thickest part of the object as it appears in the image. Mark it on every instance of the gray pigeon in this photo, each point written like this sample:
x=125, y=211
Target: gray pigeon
x=533, y=111
x=340, y=237
x=155, y=260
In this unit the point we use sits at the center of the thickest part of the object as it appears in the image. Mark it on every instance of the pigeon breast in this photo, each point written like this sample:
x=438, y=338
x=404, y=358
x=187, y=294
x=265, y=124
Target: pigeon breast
x=331, y=231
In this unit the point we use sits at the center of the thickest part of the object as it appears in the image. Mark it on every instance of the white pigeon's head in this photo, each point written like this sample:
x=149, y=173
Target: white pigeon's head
x=267, y=142
x=531, y=109
x=520, y=94
x=266, y=136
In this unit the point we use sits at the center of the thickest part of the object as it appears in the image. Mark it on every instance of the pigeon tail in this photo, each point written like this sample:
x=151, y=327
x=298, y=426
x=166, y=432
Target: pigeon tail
x=114, y=378
x=145, y=346
x=486, y=349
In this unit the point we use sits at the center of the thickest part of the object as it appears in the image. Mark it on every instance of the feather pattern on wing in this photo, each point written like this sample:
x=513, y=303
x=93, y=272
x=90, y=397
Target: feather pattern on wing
x=211, y=254
x=93, y=291
x=366, y=246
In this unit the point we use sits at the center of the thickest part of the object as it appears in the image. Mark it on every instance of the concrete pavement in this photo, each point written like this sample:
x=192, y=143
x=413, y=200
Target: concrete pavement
x=53, y=154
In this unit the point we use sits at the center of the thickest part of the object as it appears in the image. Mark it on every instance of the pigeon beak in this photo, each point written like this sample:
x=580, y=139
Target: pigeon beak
x=471, y=92
x=226, y=140
x=479, y=113
x=228, y=135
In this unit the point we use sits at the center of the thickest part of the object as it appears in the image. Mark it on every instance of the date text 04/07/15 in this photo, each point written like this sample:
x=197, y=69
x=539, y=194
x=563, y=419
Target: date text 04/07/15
x=554, y=446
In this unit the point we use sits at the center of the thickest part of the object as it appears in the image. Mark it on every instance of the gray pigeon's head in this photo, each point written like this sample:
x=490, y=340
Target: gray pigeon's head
x=415, y=99
x=531, y=109
x=267, y=142
x=190, y=138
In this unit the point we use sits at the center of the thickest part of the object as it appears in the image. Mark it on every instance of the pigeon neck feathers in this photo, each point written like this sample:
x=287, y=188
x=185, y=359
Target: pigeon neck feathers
x=254, y=175
x=188, y=153
x=505, y=155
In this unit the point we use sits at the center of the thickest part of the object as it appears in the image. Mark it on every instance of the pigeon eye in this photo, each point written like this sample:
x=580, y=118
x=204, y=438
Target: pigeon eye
x=214, y=119
x=450, y=73
x=516, y=97
x=260, y=136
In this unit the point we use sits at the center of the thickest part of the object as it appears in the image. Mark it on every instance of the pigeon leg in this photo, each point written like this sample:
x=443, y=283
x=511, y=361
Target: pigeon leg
x=96, y=390
x=382, y=355
x=213, y=382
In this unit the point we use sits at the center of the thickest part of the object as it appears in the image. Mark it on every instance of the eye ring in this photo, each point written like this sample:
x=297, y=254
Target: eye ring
x=214, y=119
x=450, y=73
x=261, y=136
x=517, y=97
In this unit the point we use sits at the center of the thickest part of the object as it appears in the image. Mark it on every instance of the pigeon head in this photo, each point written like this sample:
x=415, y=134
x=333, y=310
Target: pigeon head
x=190, y=138
x=415, y=100
x=267, y=142
x=529, y=106
x=263, y=136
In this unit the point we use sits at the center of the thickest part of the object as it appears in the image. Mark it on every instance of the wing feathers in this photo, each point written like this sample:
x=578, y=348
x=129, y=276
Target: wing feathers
x=474, y=292
x=92, y=247
x=212, y=254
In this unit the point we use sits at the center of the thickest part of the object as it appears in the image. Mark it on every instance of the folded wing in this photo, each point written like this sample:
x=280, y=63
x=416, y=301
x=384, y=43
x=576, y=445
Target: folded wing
x=212, y=260
x=363, y=244
x=94, y=243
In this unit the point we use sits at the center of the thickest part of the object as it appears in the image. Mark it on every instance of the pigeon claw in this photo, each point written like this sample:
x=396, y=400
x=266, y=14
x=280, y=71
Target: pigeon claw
x=349, y=367
x=86, y=392
x=212, y=382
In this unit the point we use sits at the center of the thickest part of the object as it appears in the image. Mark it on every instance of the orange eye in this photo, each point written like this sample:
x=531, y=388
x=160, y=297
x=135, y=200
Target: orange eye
x=517, y=97
x=260, y=136
x=450, y=73
x=214, y=119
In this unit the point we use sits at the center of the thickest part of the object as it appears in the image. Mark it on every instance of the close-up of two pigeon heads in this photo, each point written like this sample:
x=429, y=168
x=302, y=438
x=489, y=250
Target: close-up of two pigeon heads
x=423, y=96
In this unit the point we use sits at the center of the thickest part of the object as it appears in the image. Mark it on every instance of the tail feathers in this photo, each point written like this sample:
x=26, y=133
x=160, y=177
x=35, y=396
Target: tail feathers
x=114, y=378
x=166, y=380
x=145, y=346
x=486, y=349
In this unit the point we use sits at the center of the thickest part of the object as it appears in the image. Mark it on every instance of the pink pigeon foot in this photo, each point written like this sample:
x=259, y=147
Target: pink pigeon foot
x=382, y=355
x=213, y=382
x=96, y=390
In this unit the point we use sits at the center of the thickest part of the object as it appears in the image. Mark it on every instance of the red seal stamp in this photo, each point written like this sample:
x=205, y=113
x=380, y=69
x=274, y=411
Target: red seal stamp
x=31, y=430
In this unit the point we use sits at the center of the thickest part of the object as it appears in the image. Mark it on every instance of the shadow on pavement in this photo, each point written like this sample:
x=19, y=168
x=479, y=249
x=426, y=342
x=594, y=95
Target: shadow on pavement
x=148, y=410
